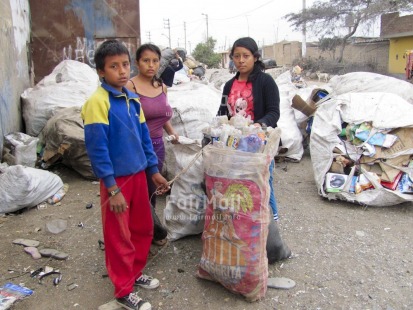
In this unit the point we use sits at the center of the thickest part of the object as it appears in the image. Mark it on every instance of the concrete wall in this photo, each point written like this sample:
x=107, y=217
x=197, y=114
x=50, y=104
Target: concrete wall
x=14, y=63
x=374, y=52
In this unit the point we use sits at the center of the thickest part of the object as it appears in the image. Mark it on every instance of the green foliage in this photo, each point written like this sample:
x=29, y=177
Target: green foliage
x=204, y=52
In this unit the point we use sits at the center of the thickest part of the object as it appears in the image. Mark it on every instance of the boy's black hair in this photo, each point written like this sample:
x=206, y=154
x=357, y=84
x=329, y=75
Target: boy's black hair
x=109, y=48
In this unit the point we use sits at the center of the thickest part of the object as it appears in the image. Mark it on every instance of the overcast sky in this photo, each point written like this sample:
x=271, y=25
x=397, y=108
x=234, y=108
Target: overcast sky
x=227, y=20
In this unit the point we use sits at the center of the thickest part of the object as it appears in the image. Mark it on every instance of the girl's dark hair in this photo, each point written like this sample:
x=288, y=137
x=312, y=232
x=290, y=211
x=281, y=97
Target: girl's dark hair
x=251, y=45
x=156, y=50
x=109, y=48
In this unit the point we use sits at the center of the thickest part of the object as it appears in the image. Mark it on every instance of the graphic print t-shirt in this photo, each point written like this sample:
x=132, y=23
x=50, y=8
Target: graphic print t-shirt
x=240, y=99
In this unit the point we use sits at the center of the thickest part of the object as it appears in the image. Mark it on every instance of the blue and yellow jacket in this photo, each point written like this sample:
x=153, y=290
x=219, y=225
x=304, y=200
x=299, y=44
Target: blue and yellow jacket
x=116, y=135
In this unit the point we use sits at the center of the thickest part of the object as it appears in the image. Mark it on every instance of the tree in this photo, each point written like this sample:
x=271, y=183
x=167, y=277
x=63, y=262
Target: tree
x=330, y=45
x=204, y=52
x=325, y=18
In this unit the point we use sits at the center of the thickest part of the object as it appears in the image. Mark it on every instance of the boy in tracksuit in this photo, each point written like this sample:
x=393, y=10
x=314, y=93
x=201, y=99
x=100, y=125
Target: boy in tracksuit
x=120, y=149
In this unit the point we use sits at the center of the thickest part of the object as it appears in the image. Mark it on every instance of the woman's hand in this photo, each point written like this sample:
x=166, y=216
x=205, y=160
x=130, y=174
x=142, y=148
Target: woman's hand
x=161, y=184
x=176, y=139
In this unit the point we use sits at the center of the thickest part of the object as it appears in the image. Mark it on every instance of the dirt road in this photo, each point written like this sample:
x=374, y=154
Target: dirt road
x=345, y=257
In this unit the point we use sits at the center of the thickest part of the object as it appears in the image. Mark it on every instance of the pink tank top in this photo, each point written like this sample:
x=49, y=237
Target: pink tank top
x=157, y=112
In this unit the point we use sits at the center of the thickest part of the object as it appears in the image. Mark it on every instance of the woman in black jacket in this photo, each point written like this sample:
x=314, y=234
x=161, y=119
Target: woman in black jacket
x=254, y=94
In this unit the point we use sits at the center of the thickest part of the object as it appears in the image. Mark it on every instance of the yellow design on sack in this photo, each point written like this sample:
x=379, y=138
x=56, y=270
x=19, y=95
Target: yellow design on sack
x=239, y=197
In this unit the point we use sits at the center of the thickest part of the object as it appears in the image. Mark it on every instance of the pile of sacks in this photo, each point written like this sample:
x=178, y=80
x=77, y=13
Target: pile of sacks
x=361, y=140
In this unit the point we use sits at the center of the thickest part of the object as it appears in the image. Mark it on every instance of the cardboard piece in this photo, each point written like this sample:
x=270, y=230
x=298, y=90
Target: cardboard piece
x=404, y=143
x=387, y=173
x=392, y=185
x=299, y=104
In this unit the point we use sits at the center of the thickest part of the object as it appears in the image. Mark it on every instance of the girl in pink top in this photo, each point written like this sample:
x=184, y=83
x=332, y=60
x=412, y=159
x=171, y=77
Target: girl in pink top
x=153, y=97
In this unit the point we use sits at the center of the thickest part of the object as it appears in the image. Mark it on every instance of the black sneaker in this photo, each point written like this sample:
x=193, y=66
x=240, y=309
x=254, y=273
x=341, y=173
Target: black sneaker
x=147, y=282
x=133, y=302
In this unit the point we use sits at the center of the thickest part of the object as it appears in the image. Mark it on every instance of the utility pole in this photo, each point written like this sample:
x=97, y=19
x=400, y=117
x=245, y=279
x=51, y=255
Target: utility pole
x=167, y=25
x=248, y=24
x=206, y=18
x=189, y=42
x=185, y=34
x=304, y=44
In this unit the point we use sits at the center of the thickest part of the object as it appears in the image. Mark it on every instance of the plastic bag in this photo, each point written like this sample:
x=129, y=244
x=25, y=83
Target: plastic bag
x=22, y=187
x=236, y=221
x=23, y=148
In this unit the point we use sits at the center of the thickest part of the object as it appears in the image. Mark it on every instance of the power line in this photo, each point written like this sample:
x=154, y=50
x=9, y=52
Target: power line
x=242, y=14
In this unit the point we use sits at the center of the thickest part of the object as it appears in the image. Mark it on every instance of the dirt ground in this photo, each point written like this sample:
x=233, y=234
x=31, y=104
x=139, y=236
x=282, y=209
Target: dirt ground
x=345, y=256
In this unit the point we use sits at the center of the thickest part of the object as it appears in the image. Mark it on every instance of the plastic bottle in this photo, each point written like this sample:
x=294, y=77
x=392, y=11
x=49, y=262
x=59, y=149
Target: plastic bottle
x=59, y=195
x=214, y=135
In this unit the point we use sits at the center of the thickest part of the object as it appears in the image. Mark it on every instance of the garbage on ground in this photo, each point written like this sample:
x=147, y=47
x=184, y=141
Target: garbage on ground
x=291, y=136
x=167, y=55
x=57, y=197
x=56, y=279
x=26, y=242
x=308, y=108
x=356, y=82
x=296, y=77
x=184, y=209
x=71, y=286
x=70, y=84
x=362, y=148
x=101, y=245
x=53, y=253
x=33, y=252
x=20, y=149
x=237, y=217
x=23, y=187
x=64, y=141
x=10, y=293
x=56, y=226
x=194, y=106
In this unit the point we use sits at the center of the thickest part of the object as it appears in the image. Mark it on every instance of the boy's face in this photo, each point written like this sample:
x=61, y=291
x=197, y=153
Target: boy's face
x=116, y=71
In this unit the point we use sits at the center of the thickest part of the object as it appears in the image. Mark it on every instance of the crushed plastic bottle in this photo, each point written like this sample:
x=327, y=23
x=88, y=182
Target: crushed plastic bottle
x=59, y=195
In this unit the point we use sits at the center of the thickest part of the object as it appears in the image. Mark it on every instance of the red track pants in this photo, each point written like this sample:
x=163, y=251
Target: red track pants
x=127, y=235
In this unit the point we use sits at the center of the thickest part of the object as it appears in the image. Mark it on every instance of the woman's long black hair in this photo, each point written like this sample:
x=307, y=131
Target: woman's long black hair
x=251, y=45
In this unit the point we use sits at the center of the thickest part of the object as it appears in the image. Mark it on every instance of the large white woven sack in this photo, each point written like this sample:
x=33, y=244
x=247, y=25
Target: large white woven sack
x=383, y=110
